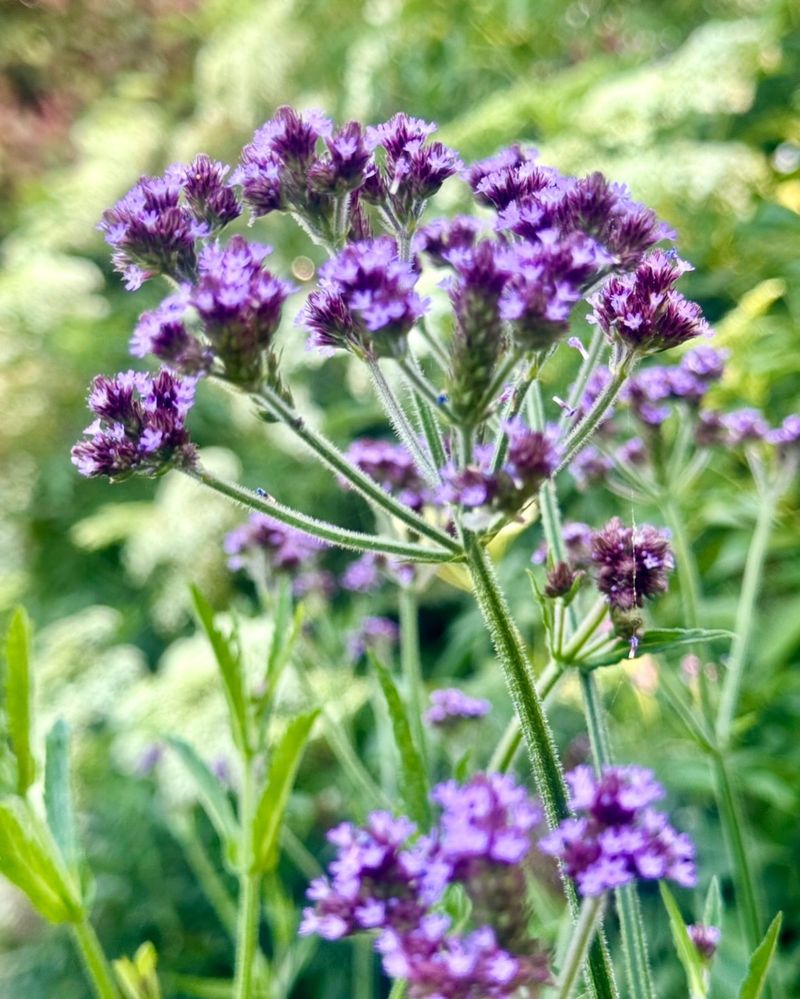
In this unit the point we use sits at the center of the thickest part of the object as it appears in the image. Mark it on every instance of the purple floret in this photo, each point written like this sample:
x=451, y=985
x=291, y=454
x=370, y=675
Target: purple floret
x=617, y=837
x=282, y=548
x=631, y=563
x=705, y=938
x=392, y=466
x=450, y=706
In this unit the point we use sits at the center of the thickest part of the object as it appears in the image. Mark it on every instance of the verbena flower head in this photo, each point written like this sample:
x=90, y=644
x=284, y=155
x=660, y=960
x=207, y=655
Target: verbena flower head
x=449, y=706
x=631, y=563
x=442, y=965
x=745, y=426
x=239, y=303
x=140, y=426
x=343, y=166
x=578, y=541
x=617, y=837
x=277, y=547
x=211, y=199
x=367, y=572
x=375, y=882
x=643, y=311
x=163, y=332
x=705, y=939
x=441, y=237
x=153, y=232
x=366, y=301
x=412, y=168
x=373, y=632
x=392, y=466
x=589, y=468
x=787, y=435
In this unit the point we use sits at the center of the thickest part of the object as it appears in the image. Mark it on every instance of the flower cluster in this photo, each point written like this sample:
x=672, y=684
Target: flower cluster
x=392, y=466
x=643, y=312
x=366, y=301
x=387, y=880
x=140, y=426
x=705, y=939
x=630, y=563
x=155, y=227
x=650, y=391
x=617, y=837
x=372, y=632
x=449, y=706
x=266, y=547
x=367, y=572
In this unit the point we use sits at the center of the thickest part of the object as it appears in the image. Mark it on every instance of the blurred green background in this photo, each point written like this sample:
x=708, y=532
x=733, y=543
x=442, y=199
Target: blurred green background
x=695, y=105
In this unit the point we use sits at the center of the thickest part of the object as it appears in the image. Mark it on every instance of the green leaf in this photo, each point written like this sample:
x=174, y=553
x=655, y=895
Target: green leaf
x=760, y=962
x=230, y=667
x=687, y=953
x=58, y=793
x=655, y=640
x=19, y=697
x=280, y=779
x=413, y=776
x=712, y=910
x=286, y=629
x=26, y=861
x=211, y=795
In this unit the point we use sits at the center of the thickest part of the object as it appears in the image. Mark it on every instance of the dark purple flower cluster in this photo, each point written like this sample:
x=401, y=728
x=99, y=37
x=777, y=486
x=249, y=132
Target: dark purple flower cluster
x=411, y=170
x=531, y=458
x=366, y=301
x=650, y=391
x=643, y=312
x=372, y=632
x=444, y=237
x=617, y=837
x=392, y=466
x=449, y=706
x=631, y=563
x=239, y=304
x=275, y=547
x=383, y=879
x=140, y=426
x=705, y=938
x=155, y=227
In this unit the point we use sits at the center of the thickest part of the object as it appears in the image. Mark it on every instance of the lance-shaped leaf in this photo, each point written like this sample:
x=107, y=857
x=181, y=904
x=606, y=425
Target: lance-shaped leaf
x=231, y=671
x=286, y=629
x=26, y=860
x=760, y=962
x=413, y=776
x=19, y=697
x=712, y=909
x=280, y=779
x=212, y=797
x=655, y=640
x=687, y=953
x=58, y=793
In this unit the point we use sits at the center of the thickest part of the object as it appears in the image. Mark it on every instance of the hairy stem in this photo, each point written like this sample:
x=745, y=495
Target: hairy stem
x=579, y=436
x=94, y=960
x=582, y=936
x=508, y=746
x=400, y=422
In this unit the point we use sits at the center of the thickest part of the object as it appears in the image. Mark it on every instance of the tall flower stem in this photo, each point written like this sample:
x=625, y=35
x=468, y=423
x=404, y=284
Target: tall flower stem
x=94, y=960
x=249, y=889
x=506, y=749
x=579, y=436
x=428, y=392
x=590, y=363
x=319, y=528
x=333, y=458
x=400, y=422
x=408, y=606
x=583, y=934
x=546, y=766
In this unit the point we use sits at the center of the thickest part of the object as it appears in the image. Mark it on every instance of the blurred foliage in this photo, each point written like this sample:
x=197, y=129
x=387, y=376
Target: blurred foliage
x=696, y=106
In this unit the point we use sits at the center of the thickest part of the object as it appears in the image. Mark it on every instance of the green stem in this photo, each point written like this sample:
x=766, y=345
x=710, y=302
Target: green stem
x=745, y=615
x=410, y=662
x=319, y=528
x=579, y=435
x=207, y=877
x=587, y=368
x=425, y=389
x=430, y=429
x=248, y=918
x=94, y=960
x=583, y=934
x=511, y=410
x=594, y=618
x=400, y=423
x=331, y=456
x=508, y=746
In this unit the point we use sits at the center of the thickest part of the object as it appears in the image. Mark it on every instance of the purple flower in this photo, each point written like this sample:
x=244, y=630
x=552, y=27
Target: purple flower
x=278, y=548
x=413, y=169
x=647, y=391
x=365, y=302
x=392, y=466
x=372, y=631
x=532, y=457
x=375, y=881
x=631, y=563
x=617, y=836
x=589, y=468
x=578, y=541
x=705, y=938
x=343, y=167
x=441, y=237
x=502, y=165
x=745, y=425
x=787, y=434
x=710, y=429
x=211, y=200
x=239, y=304
x=163, y=333
x=450, y=705
x=152, y=232
x=368, y=572
x=706, y=363
x=643, y=311
x=140, y=426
